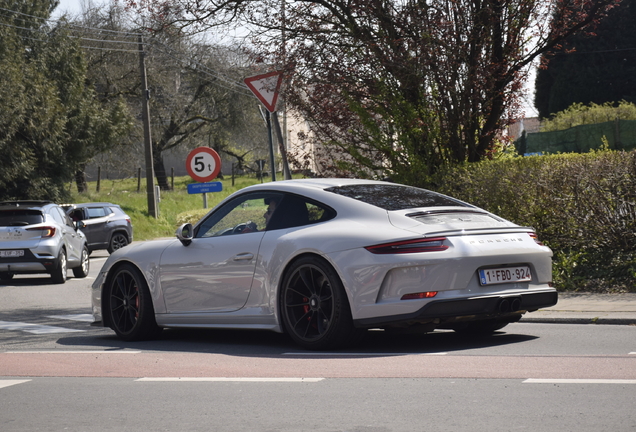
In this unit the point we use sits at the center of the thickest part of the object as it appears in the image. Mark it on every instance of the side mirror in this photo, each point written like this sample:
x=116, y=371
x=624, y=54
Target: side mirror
x=185, y=233
x=79, y=225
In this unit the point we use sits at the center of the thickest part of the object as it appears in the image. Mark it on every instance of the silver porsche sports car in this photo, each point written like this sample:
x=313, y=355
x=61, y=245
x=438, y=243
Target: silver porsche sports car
x=323, y=260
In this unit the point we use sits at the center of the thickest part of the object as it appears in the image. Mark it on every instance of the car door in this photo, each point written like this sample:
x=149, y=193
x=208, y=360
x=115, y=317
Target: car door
x=214, y=272
x=97, y=225
x=72, y=239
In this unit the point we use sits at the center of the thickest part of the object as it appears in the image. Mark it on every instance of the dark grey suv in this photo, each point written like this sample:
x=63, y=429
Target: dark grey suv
x=105, y=224
x=39, y=237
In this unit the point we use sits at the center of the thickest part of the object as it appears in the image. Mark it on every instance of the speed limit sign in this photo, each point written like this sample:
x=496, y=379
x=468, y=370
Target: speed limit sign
x=203, y=164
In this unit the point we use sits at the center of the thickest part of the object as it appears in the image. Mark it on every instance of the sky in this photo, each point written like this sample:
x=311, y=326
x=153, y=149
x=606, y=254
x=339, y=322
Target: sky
x=74, y=7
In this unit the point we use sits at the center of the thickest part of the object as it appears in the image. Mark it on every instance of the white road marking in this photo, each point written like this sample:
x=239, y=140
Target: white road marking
x=74, y=317
x=343, y=354
x=578, y=381
x=224, y=379
x=7, y=383
x=632, y=353
x=76, y=352
x=35, y=328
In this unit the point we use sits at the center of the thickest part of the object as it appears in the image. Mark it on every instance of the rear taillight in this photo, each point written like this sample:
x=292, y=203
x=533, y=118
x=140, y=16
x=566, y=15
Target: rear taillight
x=47, y=231
x=419, y=296
x=129, y=221
x=535, y=237
x=410, y=246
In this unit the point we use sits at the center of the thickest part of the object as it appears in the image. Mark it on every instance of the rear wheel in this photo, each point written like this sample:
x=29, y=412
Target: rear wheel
x=117, y=241
x=82, y=270
x=130, y=308
x=59, y=272
x=314, y=306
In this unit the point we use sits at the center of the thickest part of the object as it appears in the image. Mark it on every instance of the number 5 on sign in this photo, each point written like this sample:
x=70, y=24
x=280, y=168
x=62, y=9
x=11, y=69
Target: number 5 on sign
x=203, y=164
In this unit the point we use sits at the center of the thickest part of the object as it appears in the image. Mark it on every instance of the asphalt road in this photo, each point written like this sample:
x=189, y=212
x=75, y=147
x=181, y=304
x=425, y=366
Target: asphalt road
x=59, y=373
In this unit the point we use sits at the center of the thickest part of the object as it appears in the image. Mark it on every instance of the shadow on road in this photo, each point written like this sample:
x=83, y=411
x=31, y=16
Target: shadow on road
x=247, y=343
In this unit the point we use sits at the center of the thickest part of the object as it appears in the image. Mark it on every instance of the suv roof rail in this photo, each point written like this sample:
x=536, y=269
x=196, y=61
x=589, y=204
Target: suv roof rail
x=19, y=203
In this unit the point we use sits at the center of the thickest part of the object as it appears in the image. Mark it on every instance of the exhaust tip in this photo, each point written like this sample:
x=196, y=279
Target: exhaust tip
x=515, y=305
x=504, y=306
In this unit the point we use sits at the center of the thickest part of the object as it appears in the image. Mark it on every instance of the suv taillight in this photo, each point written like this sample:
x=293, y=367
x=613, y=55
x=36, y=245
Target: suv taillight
x=47, y=231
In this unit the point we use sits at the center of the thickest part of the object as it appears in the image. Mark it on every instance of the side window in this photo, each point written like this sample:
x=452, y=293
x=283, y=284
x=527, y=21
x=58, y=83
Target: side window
x=77, y=215
x=294, y=211
x=96, y=212
x=244, y=214
x=59, y=216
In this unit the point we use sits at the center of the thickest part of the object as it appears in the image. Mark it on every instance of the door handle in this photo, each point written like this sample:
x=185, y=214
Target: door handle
x=244, y=257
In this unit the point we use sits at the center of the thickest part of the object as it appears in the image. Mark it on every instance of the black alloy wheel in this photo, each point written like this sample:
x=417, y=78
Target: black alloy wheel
x=314, y=306
x=117, y=241
x=130, y=309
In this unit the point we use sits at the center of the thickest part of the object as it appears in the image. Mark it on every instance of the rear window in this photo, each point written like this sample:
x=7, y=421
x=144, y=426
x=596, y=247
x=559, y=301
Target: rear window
x=396, y=197
x=20, y=217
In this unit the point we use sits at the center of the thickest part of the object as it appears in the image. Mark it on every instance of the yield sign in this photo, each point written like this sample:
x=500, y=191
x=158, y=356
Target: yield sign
x=266, y=88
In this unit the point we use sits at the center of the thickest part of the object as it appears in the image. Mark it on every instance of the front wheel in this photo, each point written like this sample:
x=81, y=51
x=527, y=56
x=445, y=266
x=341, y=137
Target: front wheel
x=82, y=270
x=59, y=272
x=130, y=308
x=117, y=241
x=314, y=306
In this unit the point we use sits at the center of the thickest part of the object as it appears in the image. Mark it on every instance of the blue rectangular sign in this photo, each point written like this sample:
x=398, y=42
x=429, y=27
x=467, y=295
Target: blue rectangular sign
x=194, y=188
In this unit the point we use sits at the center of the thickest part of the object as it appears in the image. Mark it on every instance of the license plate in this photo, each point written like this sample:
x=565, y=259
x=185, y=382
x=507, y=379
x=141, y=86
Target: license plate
x=11, y=253
x=504, y=275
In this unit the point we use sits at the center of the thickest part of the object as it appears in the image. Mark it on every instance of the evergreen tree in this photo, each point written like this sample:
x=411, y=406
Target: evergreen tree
x=50, y=121
x=593, y=67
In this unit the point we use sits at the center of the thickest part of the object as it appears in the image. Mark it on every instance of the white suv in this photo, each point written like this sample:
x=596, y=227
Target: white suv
x=38, y=237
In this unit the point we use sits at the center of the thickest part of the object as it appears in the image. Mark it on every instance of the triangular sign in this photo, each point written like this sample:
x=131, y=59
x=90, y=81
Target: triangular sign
x=266, y=88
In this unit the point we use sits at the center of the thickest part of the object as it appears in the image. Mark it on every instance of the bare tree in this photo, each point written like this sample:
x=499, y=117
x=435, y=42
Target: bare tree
x=197, y=97
x=403, y=86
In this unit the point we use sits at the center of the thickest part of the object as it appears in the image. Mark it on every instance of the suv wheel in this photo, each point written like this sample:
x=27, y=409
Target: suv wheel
x=82, y=270
x=59, y=273
x=117, y=241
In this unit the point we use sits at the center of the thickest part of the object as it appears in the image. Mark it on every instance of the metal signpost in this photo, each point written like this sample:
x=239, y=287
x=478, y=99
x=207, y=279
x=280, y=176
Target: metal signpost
x=204, y=164
x=266, y=88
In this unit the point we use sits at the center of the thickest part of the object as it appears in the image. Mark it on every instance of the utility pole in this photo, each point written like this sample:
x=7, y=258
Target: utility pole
x=145, y=98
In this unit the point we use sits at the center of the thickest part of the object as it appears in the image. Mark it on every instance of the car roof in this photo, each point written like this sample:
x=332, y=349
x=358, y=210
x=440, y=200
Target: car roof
x=90, y=204
x=315, y=183
x=26, y=203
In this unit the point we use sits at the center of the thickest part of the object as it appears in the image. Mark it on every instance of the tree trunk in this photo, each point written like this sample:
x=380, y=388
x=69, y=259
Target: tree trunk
x=80, y=180
x=160, y=170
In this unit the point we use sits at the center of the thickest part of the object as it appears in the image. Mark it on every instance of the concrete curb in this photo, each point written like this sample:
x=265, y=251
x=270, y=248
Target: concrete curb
x=579, y=320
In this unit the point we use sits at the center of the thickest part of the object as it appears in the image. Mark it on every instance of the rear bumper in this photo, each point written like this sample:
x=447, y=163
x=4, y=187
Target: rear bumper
x=472, y=308
x=29, y=263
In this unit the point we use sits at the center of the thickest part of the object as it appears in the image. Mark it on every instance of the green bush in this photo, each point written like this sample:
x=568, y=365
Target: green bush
x=582, y=205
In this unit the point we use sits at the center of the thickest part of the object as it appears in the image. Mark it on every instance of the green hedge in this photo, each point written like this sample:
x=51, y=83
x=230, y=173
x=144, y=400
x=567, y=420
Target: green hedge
x=617, y=135
x=582, y=205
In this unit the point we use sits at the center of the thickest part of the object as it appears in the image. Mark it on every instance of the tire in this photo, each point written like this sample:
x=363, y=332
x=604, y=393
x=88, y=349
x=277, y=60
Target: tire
x=129, y=305
x=315, y=311
x=117, y=241
x=82, y=270
x=59, y=272
x=4, y=276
